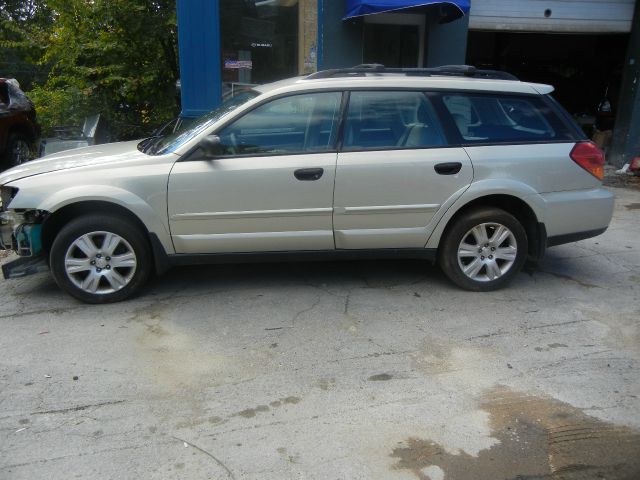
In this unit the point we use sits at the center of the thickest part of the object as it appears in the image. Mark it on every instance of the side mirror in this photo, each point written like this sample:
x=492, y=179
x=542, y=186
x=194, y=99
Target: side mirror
x=211, y=146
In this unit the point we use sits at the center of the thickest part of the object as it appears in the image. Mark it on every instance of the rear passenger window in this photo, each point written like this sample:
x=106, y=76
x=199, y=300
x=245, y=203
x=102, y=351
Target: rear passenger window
x=391, y=120
x=483, y=118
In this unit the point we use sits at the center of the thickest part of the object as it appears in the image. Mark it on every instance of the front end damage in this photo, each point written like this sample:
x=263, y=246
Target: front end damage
x=21, y=231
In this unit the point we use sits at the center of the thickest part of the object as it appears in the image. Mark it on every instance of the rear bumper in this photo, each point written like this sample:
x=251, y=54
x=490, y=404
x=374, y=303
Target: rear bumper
x=577, y=214
x=573, y=237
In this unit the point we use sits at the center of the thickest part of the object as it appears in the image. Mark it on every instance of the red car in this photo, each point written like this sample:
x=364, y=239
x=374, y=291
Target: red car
x=19, y=130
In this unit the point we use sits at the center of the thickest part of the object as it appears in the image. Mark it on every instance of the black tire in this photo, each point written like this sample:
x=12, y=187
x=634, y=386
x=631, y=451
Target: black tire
x=18, y=149
x=132, y=240
x=486, y=219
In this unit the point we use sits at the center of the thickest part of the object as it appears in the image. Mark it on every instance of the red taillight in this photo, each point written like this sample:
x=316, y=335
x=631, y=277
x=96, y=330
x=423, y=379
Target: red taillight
x=589, y=157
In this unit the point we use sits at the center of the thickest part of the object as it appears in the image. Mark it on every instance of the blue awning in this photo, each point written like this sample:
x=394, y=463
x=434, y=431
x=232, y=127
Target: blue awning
x=452, y=9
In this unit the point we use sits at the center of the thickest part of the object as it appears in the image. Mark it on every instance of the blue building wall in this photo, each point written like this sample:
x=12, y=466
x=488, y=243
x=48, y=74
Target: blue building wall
x=340, y=44
x=199, y=54
x=446, y=43
x=626, y=135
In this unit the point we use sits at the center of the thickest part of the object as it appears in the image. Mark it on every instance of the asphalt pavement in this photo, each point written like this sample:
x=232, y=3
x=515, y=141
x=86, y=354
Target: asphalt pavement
x=355, y=370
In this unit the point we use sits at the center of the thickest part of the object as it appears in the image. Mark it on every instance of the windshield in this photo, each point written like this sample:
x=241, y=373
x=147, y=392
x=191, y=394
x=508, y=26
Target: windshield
x=170, y=142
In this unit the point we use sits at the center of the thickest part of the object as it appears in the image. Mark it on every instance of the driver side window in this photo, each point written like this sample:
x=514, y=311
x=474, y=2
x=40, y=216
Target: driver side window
x=304, y=123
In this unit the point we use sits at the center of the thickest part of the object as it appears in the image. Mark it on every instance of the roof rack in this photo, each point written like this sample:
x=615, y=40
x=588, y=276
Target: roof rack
x=445, y=70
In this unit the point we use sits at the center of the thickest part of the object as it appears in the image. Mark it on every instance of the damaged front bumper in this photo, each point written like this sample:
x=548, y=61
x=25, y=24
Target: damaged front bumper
x=23, y=266
x=22, y=232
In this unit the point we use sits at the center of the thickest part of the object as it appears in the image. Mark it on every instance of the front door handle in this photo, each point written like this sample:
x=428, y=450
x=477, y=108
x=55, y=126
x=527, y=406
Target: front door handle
x=308, y=174
x=448, y=168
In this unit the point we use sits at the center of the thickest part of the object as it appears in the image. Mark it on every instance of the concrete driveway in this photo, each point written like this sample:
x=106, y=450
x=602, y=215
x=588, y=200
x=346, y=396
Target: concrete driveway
x=360, y=370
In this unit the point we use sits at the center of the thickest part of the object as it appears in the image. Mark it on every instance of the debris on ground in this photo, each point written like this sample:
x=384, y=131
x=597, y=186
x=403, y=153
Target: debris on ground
x=622, y=180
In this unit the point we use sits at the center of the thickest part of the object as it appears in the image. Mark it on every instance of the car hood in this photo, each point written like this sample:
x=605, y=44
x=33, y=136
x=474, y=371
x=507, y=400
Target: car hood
x=80, y=157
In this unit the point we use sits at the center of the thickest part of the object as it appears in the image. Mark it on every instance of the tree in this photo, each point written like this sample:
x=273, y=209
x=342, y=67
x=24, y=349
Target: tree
x=116, y=57
x=19, y=54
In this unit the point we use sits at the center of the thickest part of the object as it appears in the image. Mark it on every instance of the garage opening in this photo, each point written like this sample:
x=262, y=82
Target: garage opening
x=585, y=69
x=391, y=45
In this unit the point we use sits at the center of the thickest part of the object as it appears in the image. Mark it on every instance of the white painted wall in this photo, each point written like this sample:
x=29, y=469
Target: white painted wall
x=567, y=16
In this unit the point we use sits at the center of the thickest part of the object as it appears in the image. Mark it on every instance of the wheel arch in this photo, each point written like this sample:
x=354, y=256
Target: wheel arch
x=56, y=220
x=514, y=205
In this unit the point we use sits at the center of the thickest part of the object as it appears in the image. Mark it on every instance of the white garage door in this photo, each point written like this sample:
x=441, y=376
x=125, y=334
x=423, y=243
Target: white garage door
x=552, y=16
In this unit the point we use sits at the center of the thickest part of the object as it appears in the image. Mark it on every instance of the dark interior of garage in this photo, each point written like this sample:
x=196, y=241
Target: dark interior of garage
x=586, y=70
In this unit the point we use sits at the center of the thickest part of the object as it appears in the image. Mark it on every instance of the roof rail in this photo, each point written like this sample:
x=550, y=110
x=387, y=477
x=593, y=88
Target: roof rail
x=446, y=70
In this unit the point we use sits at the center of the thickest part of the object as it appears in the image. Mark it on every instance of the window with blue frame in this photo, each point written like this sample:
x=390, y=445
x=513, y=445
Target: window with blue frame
x=259, y=42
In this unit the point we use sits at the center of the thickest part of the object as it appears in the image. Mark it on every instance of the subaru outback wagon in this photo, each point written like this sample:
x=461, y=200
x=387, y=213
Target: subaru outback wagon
x=471, y=169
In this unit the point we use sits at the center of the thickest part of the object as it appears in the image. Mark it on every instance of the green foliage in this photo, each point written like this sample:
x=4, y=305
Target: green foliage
x=115, y=57
x=61, y=107
x=19, y=49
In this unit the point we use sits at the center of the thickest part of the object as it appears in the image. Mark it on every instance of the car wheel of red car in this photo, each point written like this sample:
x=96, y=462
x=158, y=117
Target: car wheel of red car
x=18, y=149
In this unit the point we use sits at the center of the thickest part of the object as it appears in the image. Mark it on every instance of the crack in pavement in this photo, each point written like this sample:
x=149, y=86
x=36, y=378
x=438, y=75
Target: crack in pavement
x=78, y=408
x=526, y=328
x=572, y=279
x=81, y=454
x=55, y=311
x=229, y=472
x=308, y=309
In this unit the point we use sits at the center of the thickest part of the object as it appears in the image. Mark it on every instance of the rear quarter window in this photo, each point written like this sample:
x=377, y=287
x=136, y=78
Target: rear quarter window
x=496, y=118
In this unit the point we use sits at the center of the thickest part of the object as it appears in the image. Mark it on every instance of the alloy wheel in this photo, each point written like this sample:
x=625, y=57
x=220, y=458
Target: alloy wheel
x=100, y=262
x=487, y=252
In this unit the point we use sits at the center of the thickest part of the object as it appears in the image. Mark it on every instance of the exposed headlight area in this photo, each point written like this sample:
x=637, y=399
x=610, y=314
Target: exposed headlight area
x=6, y=230
x=20, y=229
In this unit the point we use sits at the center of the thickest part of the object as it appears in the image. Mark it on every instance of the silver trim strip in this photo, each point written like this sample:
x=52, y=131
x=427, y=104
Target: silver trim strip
x=428, y=207
x=255, y=241
x=256, y=235
x=295, y=212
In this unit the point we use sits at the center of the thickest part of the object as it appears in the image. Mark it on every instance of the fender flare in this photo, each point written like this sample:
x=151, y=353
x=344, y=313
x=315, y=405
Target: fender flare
x=115, y=195
x=485, y=188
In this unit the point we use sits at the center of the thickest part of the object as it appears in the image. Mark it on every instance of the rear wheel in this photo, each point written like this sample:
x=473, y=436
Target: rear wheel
x=484, y=249
x=100, y=259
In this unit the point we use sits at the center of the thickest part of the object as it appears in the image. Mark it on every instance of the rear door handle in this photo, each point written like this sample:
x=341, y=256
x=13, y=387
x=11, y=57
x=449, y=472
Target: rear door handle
x=448, y=168
x=308, y=174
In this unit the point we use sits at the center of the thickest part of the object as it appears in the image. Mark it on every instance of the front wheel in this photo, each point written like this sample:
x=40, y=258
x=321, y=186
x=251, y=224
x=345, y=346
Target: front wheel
x=18, y=150
x=484, y=249
x=100, y=259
